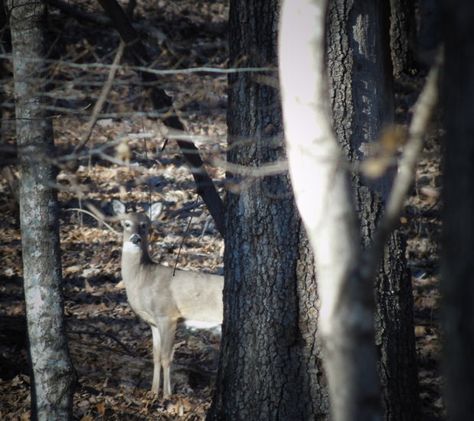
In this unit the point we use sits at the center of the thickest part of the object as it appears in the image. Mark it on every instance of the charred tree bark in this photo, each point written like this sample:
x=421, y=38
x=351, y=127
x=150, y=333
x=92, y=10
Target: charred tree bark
x=52, y=383
x=362, y=102
x=458, y=193
x=270, y=356
x=429, y=34
x=402, y=36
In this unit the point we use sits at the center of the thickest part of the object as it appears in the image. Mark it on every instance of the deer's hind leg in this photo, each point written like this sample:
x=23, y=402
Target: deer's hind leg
x=167, y=328
x=156, y=359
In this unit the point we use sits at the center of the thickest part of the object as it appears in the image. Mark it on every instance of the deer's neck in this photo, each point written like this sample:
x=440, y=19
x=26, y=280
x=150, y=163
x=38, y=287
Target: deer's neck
x=135, y=260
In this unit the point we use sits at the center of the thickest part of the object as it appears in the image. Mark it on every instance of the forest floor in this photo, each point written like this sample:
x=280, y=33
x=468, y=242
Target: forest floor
x=110, y=347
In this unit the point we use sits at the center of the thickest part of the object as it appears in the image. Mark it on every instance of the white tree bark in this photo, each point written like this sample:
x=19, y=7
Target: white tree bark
x=322, y=191
x=52, y=382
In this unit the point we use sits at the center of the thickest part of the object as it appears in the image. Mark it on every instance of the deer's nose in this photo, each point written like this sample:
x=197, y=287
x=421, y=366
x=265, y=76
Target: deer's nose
x=135, y=239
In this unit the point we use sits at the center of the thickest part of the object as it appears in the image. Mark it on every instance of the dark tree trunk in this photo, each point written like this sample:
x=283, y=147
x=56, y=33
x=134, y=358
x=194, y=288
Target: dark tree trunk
x=429, y=30
x=402, y=36
x=269, y=367
x=457, y=279
x=362, y=101
x=52, y=370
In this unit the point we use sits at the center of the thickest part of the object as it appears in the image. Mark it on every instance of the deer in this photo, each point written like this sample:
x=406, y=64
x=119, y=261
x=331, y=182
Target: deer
x=162, y=296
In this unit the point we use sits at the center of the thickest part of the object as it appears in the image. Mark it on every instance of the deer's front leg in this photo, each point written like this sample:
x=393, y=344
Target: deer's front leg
x=156, y=359
x=167, y=329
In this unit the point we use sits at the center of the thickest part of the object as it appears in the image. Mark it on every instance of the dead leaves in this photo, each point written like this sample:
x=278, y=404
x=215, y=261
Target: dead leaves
x=15, y=394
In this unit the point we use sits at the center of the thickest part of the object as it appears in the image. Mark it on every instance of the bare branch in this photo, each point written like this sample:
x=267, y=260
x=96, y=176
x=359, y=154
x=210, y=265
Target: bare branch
x=422, y=113
x=150, y=70
x=265, y=170
x=93, y=215
x=102, y=98
x=161, y=101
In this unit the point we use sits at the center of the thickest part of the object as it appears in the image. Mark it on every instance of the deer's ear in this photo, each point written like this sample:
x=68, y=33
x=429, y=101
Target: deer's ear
x=118, y=207
x=155, y=211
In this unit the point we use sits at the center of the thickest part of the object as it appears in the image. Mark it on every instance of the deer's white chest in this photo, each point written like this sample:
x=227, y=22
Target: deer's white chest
x=131, y=248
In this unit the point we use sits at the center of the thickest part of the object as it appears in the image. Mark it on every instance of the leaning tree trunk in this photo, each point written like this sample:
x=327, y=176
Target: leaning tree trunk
x=269, y=367
x=52, y=370
x=457, y=279
x=362, y=102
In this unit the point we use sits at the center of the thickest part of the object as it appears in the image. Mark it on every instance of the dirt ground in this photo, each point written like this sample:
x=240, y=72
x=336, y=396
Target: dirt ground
x=110, y=347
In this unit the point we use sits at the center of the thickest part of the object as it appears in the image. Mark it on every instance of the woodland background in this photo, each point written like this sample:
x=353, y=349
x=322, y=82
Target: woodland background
x=110, y=347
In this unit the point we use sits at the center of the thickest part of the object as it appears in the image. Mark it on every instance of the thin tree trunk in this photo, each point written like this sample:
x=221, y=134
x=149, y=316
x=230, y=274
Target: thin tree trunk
x=270, y=366
x=52, y=383
x=457, y=280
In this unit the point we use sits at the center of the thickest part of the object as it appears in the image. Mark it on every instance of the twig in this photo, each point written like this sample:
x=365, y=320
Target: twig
x=150, y=70
x=98, y=332
x=102, y=98
x=422, y=113
x=181, y=135
x=93, y=216
x=182, y=243
x=264, y=170
x=161, y=101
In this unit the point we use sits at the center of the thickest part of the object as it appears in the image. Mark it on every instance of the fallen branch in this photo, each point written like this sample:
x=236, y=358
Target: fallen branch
x=100, y=333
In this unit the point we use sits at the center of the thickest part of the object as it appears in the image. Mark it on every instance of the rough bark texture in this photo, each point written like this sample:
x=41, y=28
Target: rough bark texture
x=402, y=36
x=360, y=74
x=457, y=279
x=52, y=370
x=324, y=197
x=269, y=367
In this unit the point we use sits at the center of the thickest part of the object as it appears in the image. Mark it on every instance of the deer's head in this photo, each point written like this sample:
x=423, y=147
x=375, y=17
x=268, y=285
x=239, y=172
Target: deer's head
x=136, y=225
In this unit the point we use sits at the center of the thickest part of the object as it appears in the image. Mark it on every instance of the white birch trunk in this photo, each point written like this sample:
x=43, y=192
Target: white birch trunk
x=52, y=380
x=322, y=191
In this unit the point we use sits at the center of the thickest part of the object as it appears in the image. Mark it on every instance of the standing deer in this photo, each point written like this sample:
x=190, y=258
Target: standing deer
x=161, y=298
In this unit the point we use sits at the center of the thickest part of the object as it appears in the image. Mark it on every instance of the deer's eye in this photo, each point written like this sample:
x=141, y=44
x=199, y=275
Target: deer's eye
x=127, y=224
x=143, y=225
